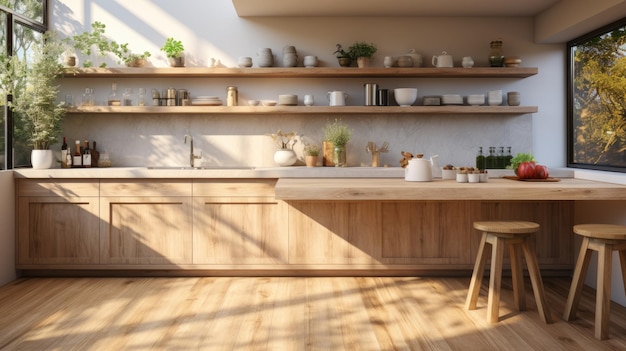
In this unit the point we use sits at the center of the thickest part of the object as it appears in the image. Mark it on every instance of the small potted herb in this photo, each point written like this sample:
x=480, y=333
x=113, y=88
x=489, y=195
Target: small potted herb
x=363, y=52
x=311, y=154
x=128, y=57
x=336, y=136
x=175, y=52
x=343, y=57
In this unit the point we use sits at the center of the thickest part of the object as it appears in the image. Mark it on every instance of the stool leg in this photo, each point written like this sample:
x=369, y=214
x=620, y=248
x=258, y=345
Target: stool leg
x=537, y=282
x=495, y=279
x=603, y=292
x=622, y=261
x=575, y=291
x=519, y=295
x=477, y=275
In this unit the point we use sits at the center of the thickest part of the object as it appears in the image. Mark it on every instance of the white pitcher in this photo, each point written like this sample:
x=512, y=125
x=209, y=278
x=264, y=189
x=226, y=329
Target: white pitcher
x=337, y=98
x=418, y=170
x=443, y=60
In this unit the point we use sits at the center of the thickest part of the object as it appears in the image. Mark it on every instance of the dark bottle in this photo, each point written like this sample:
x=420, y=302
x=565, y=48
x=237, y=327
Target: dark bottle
x=500, y=158
x=490, y=160
x=508, y=157
x=480, y=160
x=95, y=155
x=87, y=155
x=64, y=154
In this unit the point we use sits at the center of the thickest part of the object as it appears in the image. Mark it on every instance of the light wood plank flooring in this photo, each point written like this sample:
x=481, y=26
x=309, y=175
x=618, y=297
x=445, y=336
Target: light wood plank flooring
x=209, y=313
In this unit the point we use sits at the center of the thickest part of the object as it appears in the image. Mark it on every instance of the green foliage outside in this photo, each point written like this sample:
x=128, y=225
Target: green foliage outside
x=599, y=93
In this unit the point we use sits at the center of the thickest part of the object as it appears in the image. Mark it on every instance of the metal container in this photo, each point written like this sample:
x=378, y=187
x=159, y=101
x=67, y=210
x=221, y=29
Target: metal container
x=171, y=97
x=370, y=94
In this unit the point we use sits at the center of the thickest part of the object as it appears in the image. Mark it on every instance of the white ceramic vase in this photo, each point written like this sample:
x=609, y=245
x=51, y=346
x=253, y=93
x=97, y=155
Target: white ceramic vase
x=41, y=159
x=285, y=157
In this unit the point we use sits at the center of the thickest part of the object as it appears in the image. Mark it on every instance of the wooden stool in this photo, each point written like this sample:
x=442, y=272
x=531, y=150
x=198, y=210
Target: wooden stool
x=603, y=238
x=514, y=234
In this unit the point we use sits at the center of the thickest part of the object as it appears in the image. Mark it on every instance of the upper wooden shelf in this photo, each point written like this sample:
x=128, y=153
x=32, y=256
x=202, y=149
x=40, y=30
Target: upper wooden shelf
x=301, y=72
x=325, y=110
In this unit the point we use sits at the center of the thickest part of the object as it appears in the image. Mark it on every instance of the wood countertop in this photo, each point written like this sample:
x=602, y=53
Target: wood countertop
x=398, y=189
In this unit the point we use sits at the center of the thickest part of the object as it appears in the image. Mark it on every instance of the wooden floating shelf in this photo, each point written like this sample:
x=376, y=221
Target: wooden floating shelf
x=273, y=110
x=301, y=72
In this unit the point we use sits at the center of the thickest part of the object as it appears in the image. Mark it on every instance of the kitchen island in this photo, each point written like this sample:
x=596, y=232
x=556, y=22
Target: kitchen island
x=278, y=221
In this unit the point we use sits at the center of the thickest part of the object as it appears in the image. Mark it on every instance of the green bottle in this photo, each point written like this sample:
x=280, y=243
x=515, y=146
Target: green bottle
x=480, y=160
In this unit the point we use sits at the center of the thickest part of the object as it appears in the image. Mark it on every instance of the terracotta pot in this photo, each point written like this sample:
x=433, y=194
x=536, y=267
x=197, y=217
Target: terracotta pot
x=311, y=161
x=363, y=62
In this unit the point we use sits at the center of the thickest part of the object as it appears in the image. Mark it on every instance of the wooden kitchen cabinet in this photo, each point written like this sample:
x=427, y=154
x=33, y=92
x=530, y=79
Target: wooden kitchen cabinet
x=238, y=222
x=57, y=222
x=146, y=222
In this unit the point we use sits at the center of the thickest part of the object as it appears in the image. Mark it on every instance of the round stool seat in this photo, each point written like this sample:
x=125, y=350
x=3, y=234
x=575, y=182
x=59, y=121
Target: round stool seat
x=601, y=231
x=507, y=227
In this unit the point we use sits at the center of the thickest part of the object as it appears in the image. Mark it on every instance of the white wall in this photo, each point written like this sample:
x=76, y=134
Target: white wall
x=7, y=227
x=213, y=30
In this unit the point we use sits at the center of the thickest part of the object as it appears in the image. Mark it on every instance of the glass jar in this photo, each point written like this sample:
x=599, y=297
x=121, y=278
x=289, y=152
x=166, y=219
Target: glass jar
x=496, y=57
x=339, y=155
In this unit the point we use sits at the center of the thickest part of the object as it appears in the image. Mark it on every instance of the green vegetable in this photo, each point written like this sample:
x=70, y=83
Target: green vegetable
x=519, y=158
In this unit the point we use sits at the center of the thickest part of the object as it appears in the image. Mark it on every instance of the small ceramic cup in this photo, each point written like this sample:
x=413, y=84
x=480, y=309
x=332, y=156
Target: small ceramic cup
x=461, y=178
x=473, y=177
x=310, y=61
x=513, y=98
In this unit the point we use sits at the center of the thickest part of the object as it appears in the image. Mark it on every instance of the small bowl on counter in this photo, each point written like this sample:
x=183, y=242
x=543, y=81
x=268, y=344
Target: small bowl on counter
x=269, y=102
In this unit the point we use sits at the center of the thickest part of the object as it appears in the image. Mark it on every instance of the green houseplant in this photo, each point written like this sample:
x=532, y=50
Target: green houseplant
x=128, y=57
x=34, y=91
x=363, y=52
x=93, y=42
x=343, y=57
x=174, y=50
x=336, y=135
x=311, y=154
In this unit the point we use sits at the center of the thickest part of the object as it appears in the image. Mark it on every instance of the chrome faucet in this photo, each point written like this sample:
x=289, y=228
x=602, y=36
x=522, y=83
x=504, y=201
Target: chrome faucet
x=192, y=156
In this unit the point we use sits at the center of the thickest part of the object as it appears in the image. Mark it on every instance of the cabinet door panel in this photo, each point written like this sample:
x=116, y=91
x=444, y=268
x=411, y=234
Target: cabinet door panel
x=240, y=231
x=56, y=230
x=334, y=232
x=427, y=232
x=146, y=230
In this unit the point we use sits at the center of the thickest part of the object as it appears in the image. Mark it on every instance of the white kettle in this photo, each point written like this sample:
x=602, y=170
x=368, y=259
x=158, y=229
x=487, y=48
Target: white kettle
x=418, y=170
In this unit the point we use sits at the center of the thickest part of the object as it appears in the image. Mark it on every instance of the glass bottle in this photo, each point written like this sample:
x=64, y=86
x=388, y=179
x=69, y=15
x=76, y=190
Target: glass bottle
x=339, y=153
x=114, y=99
x=496, y=57
x=491, y=158
x=480, y=160
x=232, y=96
x=127, y=99
x=500, y=158
x=508, y=157
x=88, y=97
x=141, y=99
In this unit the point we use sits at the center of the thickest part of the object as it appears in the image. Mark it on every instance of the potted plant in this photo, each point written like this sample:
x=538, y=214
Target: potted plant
x=343, y=57
x=363, y=52
x=284, y=155
x=311, y=154
x=128, y=57
x=336, y=136
x=93, y=42
x=34, y=91
x=174, y=50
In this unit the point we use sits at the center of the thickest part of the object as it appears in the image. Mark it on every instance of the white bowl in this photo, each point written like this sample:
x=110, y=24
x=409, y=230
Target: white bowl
x=476, y=99
x=405, y=96
x=268, y=102
x=253, y=102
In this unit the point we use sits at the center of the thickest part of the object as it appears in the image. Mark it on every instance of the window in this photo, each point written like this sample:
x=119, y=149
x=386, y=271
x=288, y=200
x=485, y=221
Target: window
x=597, y=99
x=22, y=22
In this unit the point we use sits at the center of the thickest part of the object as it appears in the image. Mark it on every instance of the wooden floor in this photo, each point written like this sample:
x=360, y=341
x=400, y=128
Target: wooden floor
x=407, y=313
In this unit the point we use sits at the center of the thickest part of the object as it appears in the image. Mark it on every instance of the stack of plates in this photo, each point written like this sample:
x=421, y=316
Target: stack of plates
x=452, y=100
x=206, y=101
x=288, y=100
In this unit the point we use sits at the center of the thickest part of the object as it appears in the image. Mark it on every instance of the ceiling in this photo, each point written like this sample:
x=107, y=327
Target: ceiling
x=419, y=8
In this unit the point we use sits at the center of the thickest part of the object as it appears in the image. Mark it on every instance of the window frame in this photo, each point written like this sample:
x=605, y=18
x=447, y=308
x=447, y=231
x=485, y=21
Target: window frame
x=570, y=97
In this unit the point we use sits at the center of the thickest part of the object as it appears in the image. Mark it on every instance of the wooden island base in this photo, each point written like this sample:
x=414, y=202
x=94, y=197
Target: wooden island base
x=230, y=227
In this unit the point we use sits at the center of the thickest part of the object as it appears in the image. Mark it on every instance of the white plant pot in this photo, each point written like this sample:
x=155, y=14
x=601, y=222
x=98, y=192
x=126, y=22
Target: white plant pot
x=41, y=159
x=285, y=157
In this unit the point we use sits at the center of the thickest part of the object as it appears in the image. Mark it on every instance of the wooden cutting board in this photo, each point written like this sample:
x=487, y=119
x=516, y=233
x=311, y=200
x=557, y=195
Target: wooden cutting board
x=549, y=179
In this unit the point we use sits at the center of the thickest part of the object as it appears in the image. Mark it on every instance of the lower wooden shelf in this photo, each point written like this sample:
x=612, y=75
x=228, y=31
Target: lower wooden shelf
x=347, y=110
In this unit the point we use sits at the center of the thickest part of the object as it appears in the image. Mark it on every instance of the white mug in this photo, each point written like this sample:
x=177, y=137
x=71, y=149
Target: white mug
x=308, y=100
x=310, y=61
x=337, y=98
x=443, y=60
